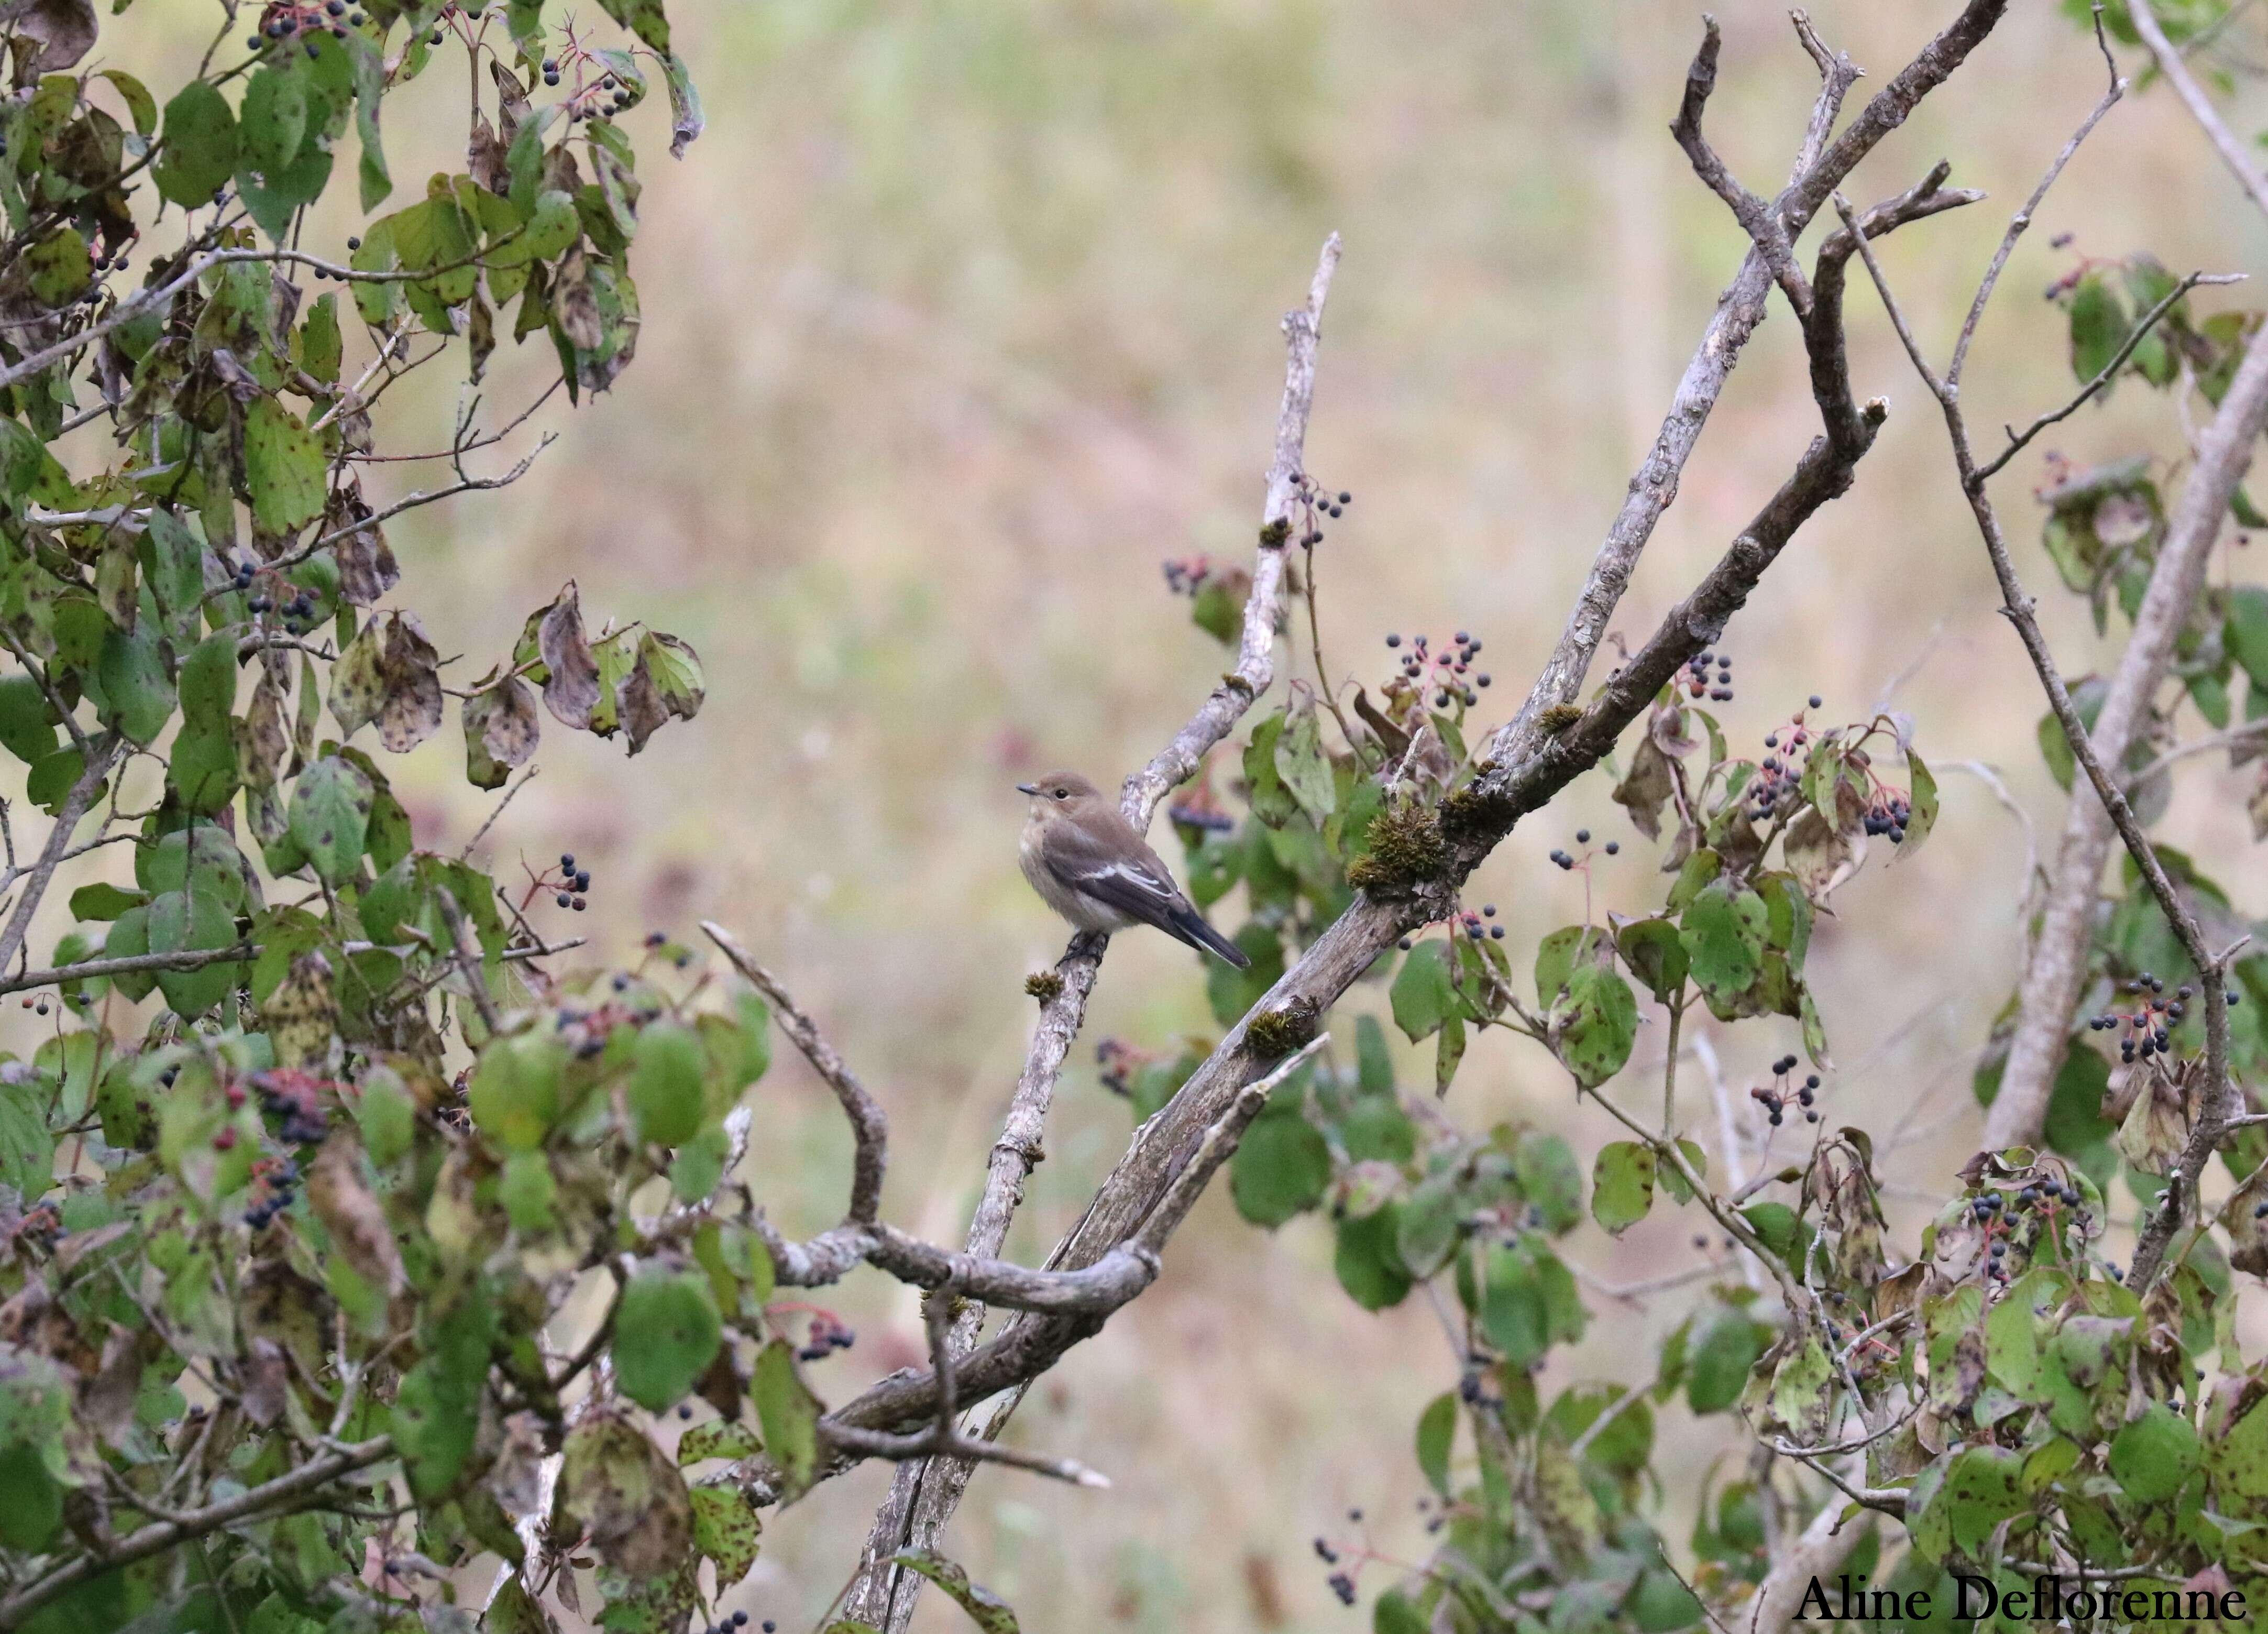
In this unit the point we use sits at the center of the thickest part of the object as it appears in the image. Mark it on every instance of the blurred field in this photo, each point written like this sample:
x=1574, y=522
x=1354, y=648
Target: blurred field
x=960, y=320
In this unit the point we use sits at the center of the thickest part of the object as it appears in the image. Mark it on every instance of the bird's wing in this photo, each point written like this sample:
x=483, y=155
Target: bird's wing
x=1138, y=886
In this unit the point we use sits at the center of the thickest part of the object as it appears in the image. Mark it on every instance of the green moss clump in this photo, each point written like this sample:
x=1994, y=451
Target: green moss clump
x=1273, y=536
x=1406, y=848
x=1045, y=986
x=1557, y=718
x=1479, y=810
x=1274, y=1033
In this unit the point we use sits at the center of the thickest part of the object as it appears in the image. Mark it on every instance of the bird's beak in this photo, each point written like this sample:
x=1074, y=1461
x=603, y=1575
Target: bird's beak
x=1028, y=788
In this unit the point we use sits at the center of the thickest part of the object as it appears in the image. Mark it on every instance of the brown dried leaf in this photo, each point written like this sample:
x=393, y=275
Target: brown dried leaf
x=1821, y=856
x=485, y=155
x=302, y=1016
x=1646, y=788
x=367, y=569
x=619, y=1490
x=65, y=29
x=351, y=1212
x=389, y=673
x=571, y=689
x=574, y=303
x=502, y=729
x=263, y=742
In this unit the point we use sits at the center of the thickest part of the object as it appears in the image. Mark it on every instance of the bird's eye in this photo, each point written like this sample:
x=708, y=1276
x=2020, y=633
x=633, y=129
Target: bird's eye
x=1062, y=794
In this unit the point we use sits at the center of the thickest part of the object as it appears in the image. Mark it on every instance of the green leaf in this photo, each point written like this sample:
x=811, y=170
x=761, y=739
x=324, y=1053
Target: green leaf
x=27, y=727
x=1301, y=764
x=986, y=1609
x=2245, y=631
x=513, y=1094
x=1600, y=1025
x=387, y=1114
x=1622, y=1185
x=1723, y=932
x=1280, y=1169
x=665, y=1089
x=1555, y=961
x=1437, y=1432
x=1922, y=795
x=1656, y=955
x=1550, y=1178
x=199, y=150
x=27, y=1151
x=329, y=816
x=1368, y=1261
x=2098, y=325
x=529, y=1192
x=666, y=1332
x=1513, y=1312
x=202, y=770
x=719, y=1438
x=138, y=693
x=273, y=120
x=1717, y=1365
x=369, y=67
x=725, y=1528
x=2153, y=1456
x=141, y=106
x=194, y=921
x=789, y=1414
x=283, y=468
x=1423, y=995
x=58, y=268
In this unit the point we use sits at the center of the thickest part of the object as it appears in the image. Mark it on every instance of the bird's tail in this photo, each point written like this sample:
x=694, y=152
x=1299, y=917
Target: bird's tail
x=1191, y=926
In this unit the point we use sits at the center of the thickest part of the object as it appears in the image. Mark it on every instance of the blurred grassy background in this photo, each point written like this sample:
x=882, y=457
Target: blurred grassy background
x=960, y=320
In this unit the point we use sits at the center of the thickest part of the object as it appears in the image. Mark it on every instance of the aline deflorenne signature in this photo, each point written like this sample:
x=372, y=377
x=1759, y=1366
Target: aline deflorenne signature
x=2047, y=1597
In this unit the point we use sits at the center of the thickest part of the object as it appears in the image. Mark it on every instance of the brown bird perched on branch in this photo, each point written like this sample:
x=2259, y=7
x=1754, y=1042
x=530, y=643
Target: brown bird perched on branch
x=1087, y=862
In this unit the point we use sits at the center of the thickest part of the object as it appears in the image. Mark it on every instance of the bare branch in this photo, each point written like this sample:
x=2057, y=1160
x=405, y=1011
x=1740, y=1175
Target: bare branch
x=464, y=955
x=88, y=970
x=869, y=1128
x=2057, y=964
x=302, y=1482
x=922, y=1497
x=2134, y=338
x=2172, y=64
x=1821, y=168
x=99, y=754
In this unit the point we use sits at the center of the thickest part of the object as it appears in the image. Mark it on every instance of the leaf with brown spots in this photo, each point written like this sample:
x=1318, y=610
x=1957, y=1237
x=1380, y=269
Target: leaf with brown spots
x=501, y=731
x=351, y=1212
x=571, y=684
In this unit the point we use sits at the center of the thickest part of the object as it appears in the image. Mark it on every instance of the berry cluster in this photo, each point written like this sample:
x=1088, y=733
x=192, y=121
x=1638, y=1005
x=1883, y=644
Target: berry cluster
x=1888, y=815
x=1568, y=862
x=1118, y=1062
x=588, y=1030
x=2148, y=1029
x=307, y=22
x=275, y=1178
x=1448, y=668
x=1698, y=683
x=1469, y=922
x=1310, y=495
x=1185, y=575
x=1340, y=1579
x=829, y=1333
x=1774, y=1097
x=572, y=885
x=738, y=1620
x=294, y=1097
x=1781, y=770
x=1999, y=1214
x=297, y=611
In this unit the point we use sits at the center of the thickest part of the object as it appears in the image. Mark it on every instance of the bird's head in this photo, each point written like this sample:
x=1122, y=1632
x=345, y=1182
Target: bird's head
x=1059, y=794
